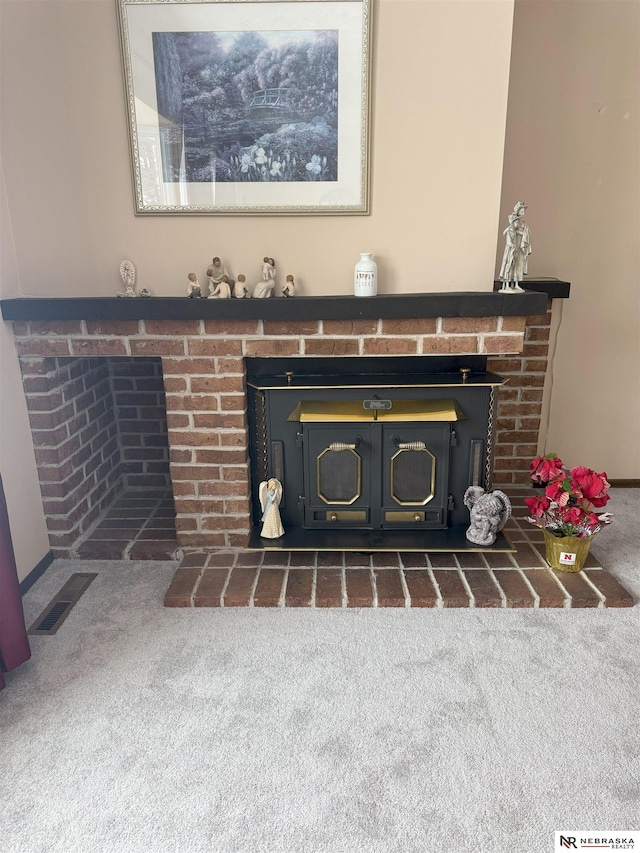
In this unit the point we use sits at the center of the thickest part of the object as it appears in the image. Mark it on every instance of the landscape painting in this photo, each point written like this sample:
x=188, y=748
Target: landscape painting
x=248, y=106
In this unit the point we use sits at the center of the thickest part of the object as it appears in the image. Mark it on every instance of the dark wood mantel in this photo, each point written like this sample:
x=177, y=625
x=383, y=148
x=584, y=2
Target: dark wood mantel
x=397, y=306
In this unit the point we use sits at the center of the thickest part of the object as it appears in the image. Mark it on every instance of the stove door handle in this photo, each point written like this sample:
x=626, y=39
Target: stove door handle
x=409, y=445
x=342, y=445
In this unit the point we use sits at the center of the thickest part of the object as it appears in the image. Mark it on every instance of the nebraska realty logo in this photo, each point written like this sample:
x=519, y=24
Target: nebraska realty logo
x=591, y=840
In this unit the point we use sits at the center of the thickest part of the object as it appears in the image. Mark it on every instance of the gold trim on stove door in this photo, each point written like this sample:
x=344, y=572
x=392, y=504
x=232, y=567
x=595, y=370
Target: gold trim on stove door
x=432, y=486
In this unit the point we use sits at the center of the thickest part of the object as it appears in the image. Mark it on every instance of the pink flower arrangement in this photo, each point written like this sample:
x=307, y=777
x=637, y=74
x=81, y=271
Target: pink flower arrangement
x=570, y=497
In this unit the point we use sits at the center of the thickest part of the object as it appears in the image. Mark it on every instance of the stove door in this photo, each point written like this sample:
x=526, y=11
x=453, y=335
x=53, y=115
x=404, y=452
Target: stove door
x=415, y=471
x=338, y=475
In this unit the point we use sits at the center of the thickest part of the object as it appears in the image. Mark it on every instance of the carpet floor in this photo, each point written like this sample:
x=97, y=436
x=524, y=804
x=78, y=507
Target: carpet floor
x=139, y=728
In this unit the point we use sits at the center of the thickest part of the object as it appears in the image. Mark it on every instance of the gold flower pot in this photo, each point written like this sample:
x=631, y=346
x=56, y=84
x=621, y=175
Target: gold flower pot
x=566, y=553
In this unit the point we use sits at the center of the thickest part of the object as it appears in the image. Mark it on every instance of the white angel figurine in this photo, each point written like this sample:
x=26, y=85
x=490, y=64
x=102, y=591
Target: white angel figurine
x=270, y=493
x=128, y=276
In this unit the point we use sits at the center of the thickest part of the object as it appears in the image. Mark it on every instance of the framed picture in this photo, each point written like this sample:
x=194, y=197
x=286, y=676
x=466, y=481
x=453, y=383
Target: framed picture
x=248, y=106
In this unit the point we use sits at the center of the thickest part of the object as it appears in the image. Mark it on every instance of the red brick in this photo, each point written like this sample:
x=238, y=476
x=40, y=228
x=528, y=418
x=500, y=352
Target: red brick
x=390, y=346
x=98, y=347
x=42, y=348
x=238, y=592
x=227, y=366
x=582, y=595
x=514, y=324
x=299, y=588
x=546, y=588
x=413, y=560
x=190, y=439
x=514, y=587
x=451, y=344
x=157, y=346
x=221, y=457
x=176, y=328
x=537, y=333
x=421, y=589
x=465, y=325
x=181, y=587
x=331, y=346
x=389, y=588
x=227, y=420
x=470, y=560
x=238, y=328
x=452, y=589
x=196, y=560
x=485, y=592
x=615, y=594
x=414, y=326
x=175, y=383
x=272, y=348
x=122, y=328
x=539, y=319
x=350, y=327
x=215, y=346
x=209, y=590
x=502, y=343
x=284, y=328
x=328, y=587
x=269, y=587
x=232, y=403
x=189, y=366
x=359, y=591
x=442, y=561
x=217, y=384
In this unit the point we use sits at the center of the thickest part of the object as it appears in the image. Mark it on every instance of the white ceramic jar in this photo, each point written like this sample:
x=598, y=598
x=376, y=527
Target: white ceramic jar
x=365, y=282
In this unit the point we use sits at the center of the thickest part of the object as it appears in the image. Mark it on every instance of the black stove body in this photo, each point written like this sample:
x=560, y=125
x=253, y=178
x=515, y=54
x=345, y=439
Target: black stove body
x=372, y=453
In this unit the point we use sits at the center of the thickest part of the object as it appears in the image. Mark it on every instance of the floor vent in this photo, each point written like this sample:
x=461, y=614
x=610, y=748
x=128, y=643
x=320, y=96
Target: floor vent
x=59, y=608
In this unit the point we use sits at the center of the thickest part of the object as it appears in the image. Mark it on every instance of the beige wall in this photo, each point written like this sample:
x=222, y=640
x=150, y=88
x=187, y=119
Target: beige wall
x=440, y=78
x=439, y=108
x=572, y=153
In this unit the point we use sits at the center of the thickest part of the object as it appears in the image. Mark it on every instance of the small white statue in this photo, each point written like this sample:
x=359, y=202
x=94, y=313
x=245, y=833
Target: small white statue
x=193, y=287
x=270, y=493
x=222, y=290
x=263, y=289
x=128, y=276
x=241, y=289
x=144, y=291
x=289, y=288
x=268, y=269
x=215, y=273
x=489, y=512
x=516, y=251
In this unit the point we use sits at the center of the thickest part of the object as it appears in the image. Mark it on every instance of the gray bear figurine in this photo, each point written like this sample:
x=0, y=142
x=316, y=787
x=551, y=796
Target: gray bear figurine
x=489, y=513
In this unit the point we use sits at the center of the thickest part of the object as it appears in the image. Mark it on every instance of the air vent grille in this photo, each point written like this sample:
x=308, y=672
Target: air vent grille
x=59, y=608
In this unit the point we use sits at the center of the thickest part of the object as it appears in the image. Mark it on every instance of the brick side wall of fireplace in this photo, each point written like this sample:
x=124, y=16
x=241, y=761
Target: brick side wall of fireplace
x=203, y=370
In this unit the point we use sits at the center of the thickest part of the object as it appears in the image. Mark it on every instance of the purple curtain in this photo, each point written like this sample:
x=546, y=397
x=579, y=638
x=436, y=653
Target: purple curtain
x=14, y=646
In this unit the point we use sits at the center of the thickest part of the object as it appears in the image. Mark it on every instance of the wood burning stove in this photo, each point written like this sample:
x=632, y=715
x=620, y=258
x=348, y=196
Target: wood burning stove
x=373, y=454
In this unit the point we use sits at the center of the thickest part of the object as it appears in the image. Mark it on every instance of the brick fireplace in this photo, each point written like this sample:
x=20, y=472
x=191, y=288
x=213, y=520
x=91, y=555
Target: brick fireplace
x=177, y=387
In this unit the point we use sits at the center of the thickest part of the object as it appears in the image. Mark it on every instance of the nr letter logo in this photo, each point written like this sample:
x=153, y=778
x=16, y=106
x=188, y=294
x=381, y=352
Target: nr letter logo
x=568, y=841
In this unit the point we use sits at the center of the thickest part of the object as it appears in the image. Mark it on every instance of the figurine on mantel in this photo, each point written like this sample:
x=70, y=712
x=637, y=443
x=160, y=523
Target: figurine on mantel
x=194, y=291
x=128, y=276
x=489, y=512
x=222, y=289
x=268, y=269
x=215, y=273
x=290, y=287
x=241, y=289
x=516, y=251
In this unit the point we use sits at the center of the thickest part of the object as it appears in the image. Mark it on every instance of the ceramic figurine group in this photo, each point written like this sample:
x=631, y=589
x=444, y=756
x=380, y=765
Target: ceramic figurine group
x=220, y=284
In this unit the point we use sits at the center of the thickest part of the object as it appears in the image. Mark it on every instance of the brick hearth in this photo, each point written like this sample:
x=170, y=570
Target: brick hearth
x=337, y=579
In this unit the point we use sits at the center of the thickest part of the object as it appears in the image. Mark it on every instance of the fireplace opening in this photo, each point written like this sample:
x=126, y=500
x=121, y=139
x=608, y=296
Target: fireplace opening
x=372, y=453
x=99, y=428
